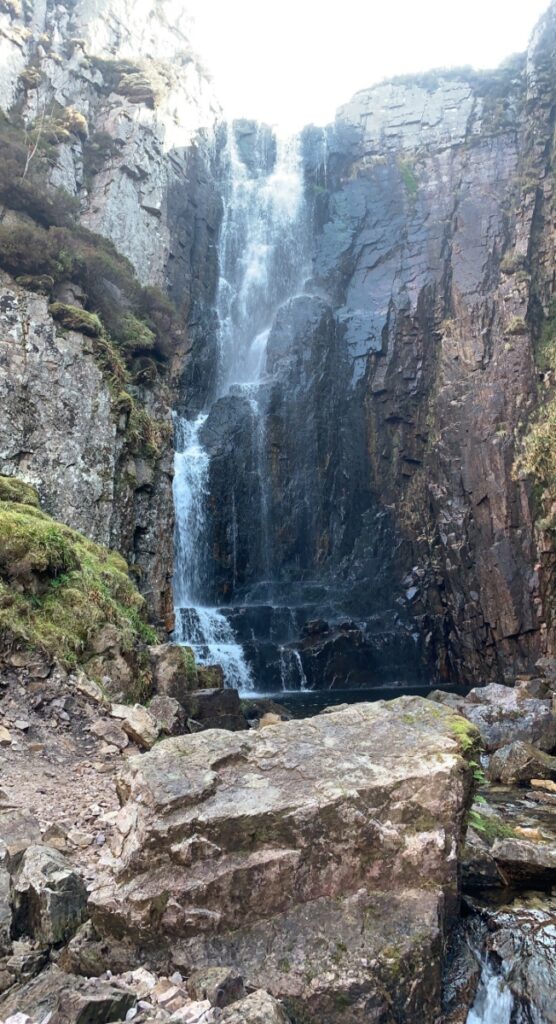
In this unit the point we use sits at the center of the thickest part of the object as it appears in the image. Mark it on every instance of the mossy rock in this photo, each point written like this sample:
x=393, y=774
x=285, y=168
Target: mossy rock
x=12, y=489
x=75, y=319
x=57, y=588
x=41, y=283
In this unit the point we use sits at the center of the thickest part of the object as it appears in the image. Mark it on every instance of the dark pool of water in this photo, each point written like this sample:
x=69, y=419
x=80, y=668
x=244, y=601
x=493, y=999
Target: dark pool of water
x=304, y=703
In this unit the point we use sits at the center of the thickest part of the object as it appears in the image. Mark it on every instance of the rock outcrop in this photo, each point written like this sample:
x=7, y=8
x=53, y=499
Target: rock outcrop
x=132, y=120
x=296, y=854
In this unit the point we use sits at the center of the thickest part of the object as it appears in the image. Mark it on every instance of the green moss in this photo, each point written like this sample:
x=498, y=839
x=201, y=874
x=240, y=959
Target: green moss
x=12, y=489
x=517, y=325
x=490, y=826
x=75, y=319
x=41, y=283
x=466, y=733
x=57, y=588
x=409, y=177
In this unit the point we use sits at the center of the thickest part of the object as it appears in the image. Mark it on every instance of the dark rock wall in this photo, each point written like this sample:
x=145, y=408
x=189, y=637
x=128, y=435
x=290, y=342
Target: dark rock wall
x=401, y=383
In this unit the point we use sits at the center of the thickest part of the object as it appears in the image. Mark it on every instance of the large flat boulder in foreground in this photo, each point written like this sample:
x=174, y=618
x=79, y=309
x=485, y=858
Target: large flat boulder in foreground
x=317, y=857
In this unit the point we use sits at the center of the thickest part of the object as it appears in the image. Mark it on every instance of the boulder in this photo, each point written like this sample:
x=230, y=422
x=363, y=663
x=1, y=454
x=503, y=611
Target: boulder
x=220, y=985
x=297, y=856
x=138, y=723
x=520, y=762
x=214, y=709
x=94, y=1003
x=110, y=733
x=478, y=867
x=49, y=896
x=257, y=1008
x=67, y=999
x=169, y=714
x=504, y=714
x=174, y=672
x=526, y=862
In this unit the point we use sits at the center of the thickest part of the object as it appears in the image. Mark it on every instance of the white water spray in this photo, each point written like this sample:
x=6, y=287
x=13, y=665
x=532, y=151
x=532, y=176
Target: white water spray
x=494, y=1001
x=260, y=266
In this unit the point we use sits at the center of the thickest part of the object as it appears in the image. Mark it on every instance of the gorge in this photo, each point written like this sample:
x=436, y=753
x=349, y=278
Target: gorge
x=276, y=419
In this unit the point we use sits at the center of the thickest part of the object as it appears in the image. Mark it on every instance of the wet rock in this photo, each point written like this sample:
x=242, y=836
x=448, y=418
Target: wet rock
x=214, y=709
x=520, y=936
x=263, y=841
x=169, y=714
x=520, y=762
x=138, y=723
x=220, y=985
x=478, y=866
x=49, y=896
x=257, y=1008
x=462, y=970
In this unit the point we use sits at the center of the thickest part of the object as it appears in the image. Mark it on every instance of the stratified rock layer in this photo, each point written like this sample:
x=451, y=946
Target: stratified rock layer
x=297, y=854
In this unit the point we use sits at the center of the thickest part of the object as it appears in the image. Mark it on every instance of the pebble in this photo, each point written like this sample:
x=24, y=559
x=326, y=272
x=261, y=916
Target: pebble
x=22, y=724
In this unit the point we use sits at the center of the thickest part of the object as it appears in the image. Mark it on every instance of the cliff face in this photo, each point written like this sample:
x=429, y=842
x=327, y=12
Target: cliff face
x=379, y=480
x=435, y=245
x=400, y=386
x=127, y=111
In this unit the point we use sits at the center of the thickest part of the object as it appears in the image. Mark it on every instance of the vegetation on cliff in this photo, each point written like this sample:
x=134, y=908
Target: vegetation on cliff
x=135, y=328
x=57, y=588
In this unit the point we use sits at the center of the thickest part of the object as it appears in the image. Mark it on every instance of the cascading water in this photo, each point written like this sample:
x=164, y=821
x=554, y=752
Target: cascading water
x=494, y=1001
x=261, y=265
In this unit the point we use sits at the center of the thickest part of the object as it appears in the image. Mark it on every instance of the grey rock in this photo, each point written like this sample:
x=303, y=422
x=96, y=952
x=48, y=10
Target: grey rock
x=257, y=1008
x=5, y=912
x=169, y=714
x=49, y=896
x=520, y=762
x=266, y=854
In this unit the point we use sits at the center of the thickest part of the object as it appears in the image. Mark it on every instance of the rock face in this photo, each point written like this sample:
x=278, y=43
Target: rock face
x=385, y=486
x=139, y=156
x=280, y=850
x=49, y=897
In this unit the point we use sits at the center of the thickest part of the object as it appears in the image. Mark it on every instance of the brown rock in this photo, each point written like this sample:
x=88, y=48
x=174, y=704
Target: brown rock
x=298, y=853
x=110, y=733
x=169, y=714
x=138, y=723
x=220, y=985
x=520, y=762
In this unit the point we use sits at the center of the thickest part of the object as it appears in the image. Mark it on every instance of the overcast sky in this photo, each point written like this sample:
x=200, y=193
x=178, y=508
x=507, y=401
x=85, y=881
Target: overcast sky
x=295, y=61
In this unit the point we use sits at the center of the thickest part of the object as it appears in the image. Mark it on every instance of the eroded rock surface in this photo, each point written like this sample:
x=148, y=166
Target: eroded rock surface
x=279, y=850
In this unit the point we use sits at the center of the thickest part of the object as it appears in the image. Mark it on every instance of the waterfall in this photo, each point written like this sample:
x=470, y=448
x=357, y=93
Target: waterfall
x=259, y=256
x=494, y=1001
x=203, y=629
x=261, y=265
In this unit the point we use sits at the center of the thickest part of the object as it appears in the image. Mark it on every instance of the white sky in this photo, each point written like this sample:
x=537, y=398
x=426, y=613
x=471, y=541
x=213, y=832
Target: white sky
x=293, y=62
